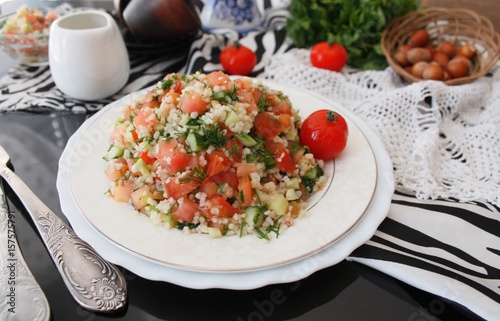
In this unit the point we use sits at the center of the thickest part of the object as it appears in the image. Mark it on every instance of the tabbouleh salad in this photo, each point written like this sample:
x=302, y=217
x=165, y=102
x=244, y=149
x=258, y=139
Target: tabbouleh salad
x=215, y=155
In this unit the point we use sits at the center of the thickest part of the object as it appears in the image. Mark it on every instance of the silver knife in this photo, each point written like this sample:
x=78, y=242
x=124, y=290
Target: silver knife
x=94, y=283
x=22, y=298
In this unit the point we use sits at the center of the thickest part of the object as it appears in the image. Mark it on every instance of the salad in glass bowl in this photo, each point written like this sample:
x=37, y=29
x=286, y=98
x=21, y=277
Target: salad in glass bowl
x=24, y=36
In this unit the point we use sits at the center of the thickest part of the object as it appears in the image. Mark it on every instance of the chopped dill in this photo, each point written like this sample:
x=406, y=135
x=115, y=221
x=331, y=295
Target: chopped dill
x=262, y=104
x=166, y=83
x=213, y=136
x=197, y=175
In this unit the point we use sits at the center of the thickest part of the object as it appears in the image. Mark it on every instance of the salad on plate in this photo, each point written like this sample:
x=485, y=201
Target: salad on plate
x=206, y=153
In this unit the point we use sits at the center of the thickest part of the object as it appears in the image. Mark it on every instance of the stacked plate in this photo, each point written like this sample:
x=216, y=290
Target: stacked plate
x=341, y=217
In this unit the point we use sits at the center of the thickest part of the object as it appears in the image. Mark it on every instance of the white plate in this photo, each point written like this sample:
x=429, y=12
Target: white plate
x=93, y=132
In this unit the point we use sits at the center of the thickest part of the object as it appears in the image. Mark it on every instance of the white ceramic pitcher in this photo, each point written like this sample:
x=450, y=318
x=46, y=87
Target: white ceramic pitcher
x=87, y=55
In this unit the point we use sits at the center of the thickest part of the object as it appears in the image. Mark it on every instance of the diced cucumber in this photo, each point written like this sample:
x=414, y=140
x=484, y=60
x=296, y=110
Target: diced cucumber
x=292, y=135
x=142, y=167
x=231, y=118
x=294, y=183
x=291, y=195
x=311, y=173
x=279, y=205
x=214, y=232
x=194, y=141
x=168, y=220
x=127, y=154
x=114, y=152
x=254, y=216
x=245, y=139
x=129, y=138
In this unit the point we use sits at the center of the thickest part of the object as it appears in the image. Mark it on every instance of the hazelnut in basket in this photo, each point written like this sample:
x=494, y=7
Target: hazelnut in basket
x=455, y=46
x=441, y=61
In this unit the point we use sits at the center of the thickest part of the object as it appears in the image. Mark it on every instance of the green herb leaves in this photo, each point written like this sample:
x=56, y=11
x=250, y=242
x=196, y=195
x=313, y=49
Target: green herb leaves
x=356, y=24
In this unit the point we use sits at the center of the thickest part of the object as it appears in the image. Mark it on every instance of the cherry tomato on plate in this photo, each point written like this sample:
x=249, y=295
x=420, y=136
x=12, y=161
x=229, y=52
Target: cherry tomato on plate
x=325, y=132
x=331, y=56
x=237, y=59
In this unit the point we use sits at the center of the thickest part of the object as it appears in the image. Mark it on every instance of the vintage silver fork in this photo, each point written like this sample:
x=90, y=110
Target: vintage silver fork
x=93, y=282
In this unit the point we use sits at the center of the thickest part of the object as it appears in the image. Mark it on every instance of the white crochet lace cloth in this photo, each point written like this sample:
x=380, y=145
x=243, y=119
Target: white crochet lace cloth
x=444, y=141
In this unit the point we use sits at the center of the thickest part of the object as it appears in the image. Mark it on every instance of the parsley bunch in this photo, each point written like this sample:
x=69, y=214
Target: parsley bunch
x=356, y=24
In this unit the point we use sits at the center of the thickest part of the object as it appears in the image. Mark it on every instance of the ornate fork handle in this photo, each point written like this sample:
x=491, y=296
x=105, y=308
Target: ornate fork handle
x=93, y=282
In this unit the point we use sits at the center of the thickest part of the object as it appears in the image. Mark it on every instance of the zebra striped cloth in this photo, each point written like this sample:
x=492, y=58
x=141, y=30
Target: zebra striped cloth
x=445, y=247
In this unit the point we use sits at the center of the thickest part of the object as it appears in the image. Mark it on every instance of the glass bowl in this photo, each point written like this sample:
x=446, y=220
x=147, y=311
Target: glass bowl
x=28, y=47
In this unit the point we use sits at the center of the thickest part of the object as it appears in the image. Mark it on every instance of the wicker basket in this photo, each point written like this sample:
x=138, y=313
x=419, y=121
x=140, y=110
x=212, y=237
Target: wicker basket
x=458, y=26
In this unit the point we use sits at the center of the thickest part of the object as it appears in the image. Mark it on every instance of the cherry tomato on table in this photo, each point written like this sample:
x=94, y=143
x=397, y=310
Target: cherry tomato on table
x=325, y=132
x=237, y=59
x=331, y=56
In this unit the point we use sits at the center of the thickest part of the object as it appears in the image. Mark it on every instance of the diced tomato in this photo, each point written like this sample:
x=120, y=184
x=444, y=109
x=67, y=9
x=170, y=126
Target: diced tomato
x=228, y=177
x=235, y=148
x=140, y=196
x=282, y=108
x=217, y=162
x=244, y=83
x=122, y=190
x=146, y=158
x=297, y=155
x=118, y=134
x=178, y=188
x=193, y=102
x=209, y=187
x=116, y=172
x=273, y=147
x=194, y=160
x=218, y=78
x=245, y=169
x=256, y=94
x=245, y=187
x=267, y=125
x=247, y=97
x=217, y=206
x=145, y=117
x=177, y=83
x=171, y=97
x=129, y=112
x=285, y=120
x=171, y=156
x=186, y=210
x=284, y=161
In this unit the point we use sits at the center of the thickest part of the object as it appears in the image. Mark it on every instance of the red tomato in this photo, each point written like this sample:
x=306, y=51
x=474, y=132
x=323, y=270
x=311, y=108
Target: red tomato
x=185, y=212
x=209, y=187
x=218, y=78
x=176, y=188
x=217, y=162
x=237, y=59
x=329, y=56
x=245, y=187
x=171, y=157
x=193, y=102
x=284, y=161
x=145, y=157
x=267, y=125
x=229, y=177
x=217, y=206
x=325, y=133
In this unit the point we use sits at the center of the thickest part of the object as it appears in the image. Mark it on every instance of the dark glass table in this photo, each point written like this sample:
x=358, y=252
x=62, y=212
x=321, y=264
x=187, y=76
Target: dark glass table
x=346, y=291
